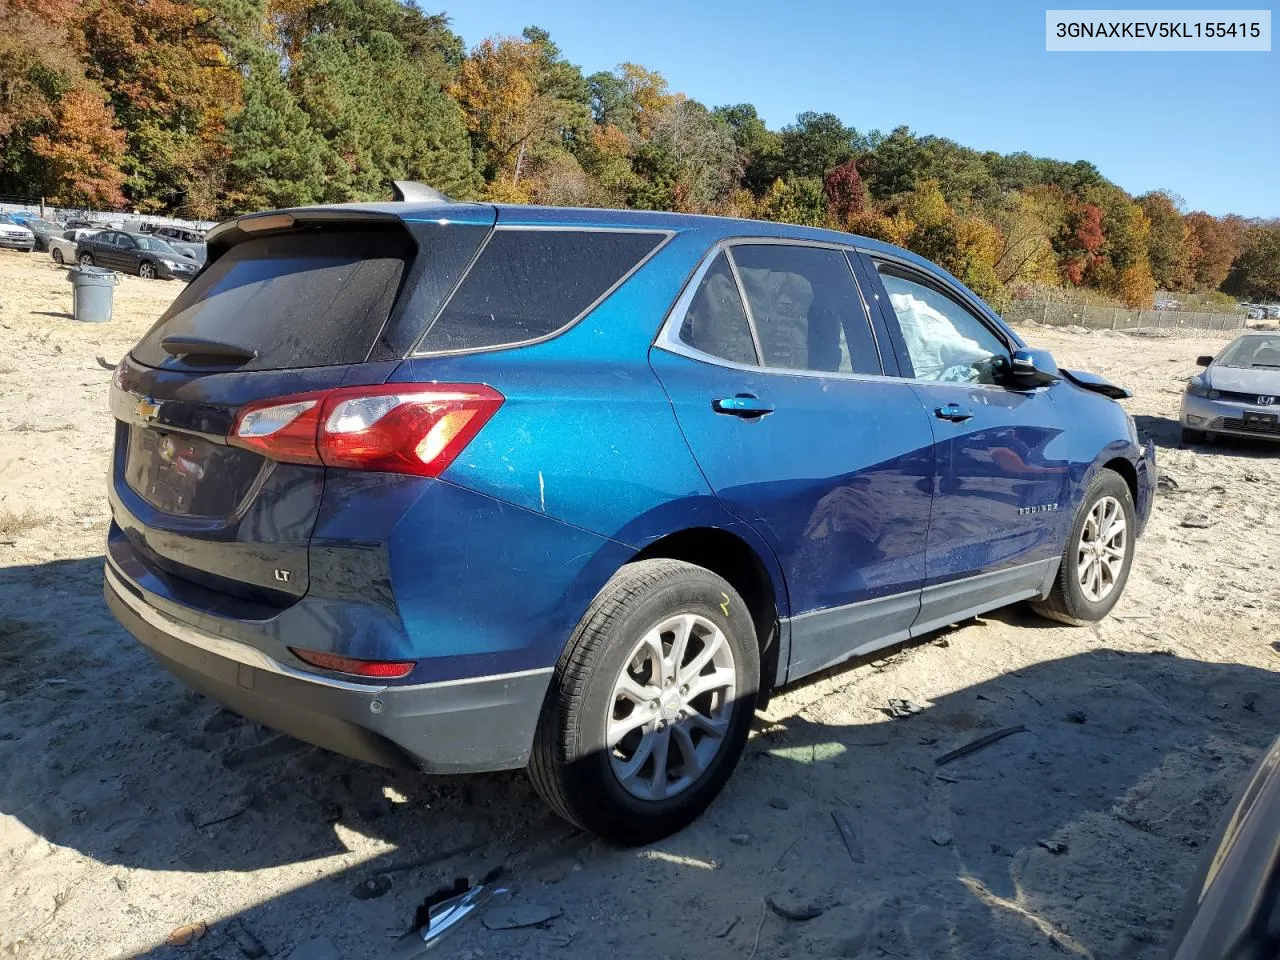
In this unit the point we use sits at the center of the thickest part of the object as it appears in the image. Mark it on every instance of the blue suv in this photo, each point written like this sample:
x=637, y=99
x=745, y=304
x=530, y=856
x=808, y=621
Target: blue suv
x=469, y=487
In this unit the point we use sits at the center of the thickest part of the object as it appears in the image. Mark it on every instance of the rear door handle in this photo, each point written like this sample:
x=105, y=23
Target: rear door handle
x=743, y=405
x=953, y=412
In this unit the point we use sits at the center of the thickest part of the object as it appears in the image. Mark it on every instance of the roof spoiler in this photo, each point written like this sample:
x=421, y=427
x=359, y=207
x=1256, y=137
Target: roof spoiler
x=411, y=190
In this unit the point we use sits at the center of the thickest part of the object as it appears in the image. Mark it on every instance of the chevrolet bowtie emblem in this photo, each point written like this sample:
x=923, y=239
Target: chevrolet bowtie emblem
x=146, y=409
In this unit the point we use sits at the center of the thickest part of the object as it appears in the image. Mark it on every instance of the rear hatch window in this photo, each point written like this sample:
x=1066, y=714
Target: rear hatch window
x=300, y=300
x=529, y=284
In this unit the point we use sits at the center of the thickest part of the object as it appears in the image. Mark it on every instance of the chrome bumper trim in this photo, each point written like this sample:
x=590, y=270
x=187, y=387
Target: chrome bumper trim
x=253, y=657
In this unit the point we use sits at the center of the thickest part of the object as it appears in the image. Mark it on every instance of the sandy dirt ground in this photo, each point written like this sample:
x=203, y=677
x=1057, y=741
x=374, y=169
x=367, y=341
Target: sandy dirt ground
x=130, y=806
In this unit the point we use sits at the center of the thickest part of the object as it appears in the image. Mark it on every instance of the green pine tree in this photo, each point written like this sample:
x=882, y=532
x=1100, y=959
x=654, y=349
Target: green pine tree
x=277, y=158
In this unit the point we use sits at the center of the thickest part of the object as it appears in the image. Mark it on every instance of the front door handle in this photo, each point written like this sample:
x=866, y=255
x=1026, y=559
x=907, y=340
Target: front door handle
x=953, y=412
x=743, y=405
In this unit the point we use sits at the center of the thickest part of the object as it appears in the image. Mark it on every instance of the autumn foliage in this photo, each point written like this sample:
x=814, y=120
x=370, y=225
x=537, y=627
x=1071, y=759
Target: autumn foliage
x=83, y=159
x=206, y=108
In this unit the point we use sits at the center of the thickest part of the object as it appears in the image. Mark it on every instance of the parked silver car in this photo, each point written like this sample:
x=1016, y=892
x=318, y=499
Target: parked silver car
x=63, y=248
x=14, y=236
x=190, y=242
x=1238, y=393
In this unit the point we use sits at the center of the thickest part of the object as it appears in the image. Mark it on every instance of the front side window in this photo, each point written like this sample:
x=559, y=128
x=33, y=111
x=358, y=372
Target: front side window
x=944, y=340
x=806, y=309
x=716, y=323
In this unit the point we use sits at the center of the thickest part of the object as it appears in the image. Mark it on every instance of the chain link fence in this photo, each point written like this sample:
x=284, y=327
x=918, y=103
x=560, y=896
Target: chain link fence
x=109, y=217
x=1119, y=318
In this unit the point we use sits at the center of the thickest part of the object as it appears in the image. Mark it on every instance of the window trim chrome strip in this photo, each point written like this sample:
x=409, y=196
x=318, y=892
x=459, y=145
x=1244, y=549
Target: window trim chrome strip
x=668, y=338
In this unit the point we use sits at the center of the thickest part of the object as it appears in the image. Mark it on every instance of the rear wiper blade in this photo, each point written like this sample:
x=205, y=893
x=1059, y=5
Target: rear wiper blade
x=178, y=346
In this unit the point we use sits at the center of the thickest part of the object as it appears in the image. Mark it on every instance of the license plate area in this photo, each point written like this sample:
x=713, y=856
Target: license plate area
x=185, y=475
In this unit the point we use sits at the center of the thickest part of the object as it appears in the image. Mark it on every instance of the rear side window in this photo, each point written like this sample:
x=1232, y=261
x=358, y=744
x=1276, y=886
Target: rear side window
x=806, y=309
x=300, y=300
x=716, y=323
x=529, y=284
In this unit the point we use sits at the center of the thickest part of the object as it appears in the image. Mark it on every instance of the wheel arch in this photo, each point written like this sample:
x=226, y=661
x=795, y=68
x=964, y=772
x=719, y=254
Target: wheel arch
x=1126, y=470
x=757, y=580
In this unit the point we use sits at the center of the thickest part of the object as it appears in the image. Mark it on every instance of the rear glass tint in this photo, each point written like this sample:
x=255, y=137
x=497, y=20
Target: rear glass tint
x=300, y=300
x=529, y=284
x=716, y=323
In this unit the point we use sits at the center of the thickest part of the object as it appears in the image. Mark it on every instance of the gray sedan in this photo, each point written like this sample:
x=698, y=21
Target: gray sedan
x=1238, y=393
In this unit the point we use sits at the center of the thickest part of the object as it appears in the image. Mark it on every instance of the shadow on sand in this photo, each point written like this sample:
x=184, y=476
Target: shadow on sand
x=102, y=753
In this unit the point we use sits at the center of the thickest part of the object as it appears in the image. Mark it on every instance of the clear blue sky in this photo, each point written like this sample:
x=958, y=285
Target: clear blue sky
x=1204, y=125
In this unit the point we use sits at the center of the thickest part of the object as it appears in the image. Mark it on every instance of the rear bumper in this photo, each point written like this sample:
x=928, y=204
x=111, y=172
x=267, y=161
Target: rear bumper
x=456, y=726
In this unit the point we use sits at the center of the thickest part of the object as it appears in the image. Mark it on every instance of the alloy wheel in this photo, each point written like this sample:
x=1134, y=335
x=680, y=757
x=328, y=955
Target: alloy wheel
x=671, y=707
x=1100, y=554
x=147, y=271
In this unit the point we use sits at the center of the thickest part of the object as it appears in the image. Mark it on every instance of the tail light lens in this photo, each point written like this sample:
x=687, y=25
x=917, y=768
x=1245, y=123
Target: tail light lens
x=397, y=428
x=373, y=669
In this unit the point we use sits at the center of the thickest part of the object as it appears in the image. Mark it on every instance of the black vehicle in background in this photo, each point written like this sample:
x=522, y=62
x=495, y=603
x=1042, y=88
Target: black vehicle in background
x=148, y=257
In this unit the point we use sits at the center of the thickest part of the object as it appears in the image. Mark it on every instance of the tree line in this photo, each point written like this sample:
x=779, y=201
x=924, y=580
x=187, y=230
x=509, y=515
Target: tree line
x=207, y=108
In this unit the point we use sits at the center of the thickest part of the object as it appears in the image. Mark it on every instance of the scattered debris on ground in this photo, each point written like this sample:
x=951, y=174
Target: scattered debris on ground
x=113, y=785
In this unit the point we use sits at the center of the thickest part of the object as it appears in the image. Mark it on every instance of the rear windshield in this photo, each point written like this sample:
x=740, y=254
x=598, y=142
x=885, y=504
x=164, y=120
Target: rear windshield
x=300, y=300
x=529, y=284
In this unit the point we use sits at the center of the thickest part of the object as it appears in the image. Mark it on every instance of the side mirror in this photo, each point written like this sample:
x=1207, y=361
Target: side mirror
x=1203, y=361
x=1033, y=368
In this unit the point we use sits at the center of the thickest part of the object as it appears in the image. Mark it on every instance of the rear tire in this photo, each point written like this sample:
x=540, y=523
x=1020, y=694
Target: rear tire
x=1096, y=562
x=1193, y=436
x=607, y=681
x=86, y=260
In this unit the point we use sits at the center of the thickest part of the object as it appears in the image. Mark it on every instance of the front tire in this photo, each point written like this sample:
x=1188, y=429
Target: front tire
x=147, y=271
x=86, y=260
x=57, y=256
x=1095, y=565
x=651, y=704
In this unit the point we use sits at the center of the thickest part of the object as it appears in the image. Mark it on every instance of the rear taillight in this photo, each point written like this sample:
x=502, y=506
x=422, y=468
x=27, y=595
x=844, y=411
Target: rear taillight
x=416, y=428
x=373, y=669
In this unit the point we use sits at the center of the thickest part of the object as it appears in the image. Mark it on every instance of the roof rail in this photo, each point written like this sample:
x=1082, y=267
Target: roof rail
x=416, y=192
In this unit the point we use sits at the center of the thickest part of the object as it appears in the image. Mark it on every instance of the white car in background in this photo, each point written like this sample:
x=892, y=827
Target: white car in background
x=63, y=248
x=14, y=236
